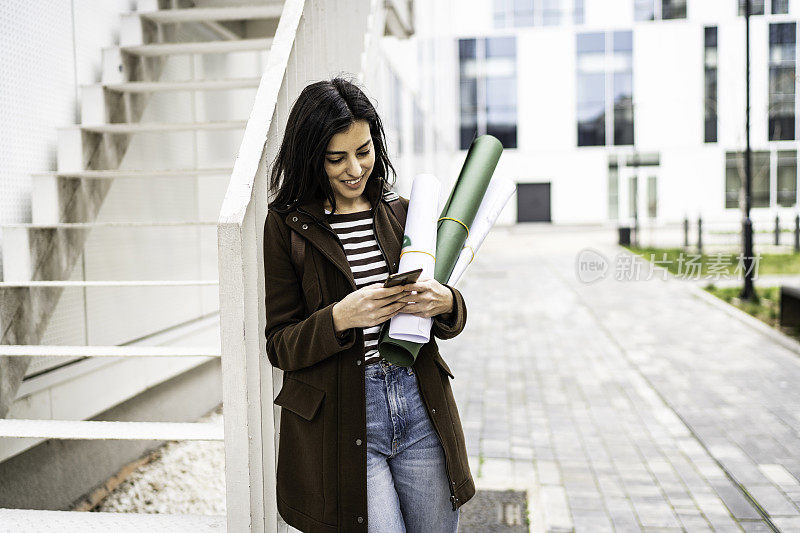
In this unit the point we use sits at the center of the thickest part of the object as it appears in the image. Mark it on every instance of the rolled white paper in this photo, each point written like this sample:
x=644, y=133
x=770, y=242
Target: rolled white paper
x=497, y=195
x=419, y=251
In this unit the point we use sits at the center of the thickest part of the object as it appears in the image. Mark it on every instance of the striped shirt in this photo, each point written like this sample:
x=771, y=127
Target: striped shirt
x=366, y=263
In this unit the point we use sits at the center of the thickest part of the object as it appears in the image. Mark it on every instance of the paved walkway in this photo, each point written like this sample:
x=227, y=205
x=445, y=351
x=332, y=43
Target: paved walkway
x=622, y=405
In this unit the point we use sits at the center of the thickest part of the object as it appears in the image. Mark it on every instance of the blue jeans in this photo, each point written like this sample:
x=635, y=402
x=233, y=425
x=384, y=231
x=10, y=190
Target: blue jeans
x=407, y=485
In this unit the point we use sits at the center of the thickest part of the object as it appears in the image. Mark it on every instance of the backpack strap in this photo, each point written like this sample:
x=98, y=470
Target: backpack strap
x=393, y=199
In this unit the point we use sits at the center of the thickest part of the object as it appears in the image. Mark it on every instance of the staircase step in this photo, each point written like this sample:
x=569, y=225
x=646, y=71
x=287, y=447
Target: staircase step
x=49, y=350
x=148, y=127
x=111, y=430
x=198, y=14
x=93, y=225
x=34, y=520
x=136, y=173
x=108, y=283
x=206, y=47
x=183, y=85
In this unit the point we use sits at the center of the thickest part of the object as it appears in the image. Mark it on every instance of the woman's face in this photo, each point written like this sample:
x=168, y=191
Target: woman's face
x=350, y=156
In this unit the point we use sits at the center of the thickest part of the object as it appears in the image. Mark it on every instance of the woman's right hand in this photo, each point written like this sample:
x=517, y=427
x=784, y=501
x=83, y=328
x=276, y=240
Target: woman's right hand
x=368, y=306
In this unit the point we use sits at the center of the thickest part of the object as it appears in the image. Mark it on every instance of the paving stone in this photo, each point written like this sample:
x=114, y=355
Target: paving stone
x=773, y=501
x=598, y=394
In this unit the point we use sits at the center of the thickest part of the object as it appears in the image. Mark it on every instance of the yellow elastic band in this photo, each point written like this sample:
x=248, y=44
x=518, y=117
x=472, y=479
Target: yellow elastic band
x=455, y=219
x=419, y=252
x=471, y=250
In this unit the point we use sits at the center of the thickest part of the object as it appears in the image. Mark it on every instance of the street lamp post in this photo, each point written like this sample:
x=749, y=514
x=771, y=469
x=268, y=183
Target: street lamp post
x=748, y=291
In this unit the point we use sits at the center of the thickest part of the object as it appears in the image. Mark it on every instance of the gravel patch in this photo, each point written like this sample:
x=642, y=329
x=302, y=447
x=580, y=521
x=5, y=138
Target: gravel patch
x=185, y=477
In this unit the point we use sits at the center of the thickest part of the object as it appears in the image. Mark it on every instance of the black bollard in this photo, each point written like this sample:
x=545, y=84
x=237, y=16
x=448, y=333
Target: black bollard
x=797, y=233
x=777, y=230
x=686, y=233
x=699, y=234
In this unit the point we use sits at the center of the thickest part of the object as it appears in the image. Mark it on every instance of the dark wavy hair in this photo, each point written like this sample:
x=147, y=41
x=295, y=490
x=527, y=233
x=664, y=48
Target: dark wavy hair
x=323, y=109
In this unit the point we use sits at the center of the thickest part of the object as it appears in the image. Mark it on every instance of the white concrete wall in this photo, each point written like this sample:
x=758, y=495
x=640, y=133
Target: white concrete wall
x=50, y=48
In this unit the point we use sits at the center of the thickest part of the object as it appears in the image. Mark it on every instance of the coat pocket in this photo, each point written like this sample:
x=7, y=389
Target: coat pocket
x=300, y=398
x=442, y=365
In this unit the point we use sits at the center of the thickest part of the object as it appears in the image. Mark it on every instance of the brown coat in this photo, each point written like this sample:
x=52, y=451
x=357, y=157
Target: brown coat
x=322, y=457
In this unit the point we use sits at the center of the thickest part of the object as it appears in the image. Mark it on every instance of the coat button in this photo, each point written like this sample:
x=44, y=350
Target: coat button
x=358, y=442
x=360, y=519
x=433, y=411
x=305, y=226
x=358, y=362
x=294, y=219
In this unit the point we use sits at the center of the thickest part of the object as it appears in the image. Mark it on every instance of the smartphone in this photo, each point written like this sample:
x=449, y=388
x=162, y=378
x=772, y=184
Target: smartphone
x=402, y=278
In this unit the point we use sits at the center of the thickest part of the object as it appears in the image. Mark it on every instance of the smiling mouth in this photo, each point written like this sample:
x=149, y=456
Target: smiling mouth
x=355, y=181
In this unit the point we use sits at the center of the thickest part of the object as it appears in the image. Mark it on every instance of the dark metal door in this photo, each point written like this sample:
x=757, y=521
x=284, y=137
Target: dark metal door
x=533, y=202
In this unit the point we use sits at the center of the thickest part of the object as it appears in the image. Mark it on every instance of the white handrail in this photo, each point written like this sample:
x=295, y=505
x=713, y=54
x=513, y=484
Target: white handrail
x=309, y=45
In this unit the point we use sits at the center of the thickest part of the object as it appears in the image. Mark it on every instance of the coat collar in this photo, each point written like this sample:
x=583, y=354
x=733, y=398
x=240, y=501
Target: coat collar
x=310, y=221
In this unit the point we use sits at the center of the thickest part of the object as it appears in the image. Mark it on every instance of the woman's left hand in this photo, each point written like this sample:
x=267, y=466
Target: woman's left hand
x=431, y=298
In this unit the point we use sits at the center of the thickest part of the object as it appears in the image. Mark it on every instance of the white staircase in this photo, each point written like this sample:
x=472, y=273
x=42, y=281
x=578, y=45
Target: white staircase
x=65, y=203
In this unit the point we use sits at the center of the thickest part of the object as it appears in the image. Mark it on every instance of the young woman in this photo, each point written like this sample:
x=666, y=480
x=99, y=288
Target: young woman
x=365, y=445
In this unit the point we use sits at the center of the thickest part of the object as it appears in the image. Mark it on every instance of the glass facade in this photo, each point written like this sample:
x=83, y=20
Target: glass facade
x=756, y=7
x=735, y=175
x=782, y=44
x=780, y=7
x=622, y=79
x=488, y=89
x=605, y=60
x=659, y=9
x=527, y=13
x=513, y=13
x=673, y=9
x=787, y=178
x=710, y=60
x=591, y=89
x=578, y=12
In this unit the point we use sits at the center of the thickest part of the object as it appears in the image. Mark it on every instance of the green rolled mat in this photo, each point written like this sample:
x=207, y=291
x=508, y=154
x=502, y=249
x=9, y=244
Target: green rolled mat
x=462, y=205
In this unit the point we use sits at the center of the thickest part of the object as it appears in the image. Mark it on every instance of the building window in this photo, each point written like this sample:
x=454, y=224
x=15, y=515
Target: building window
x=673, y=9
x=782, y=43
x=659, y=9
x=513, y=13
x=578, y=12
x=605, y=60
x=526, y=13
x=735, y=175
x=644, y=10
x=591, y=89
x=710, y=59
x=488, y=89
x=551, y=12
x=622, y=71
x=780, y=7
x=756, y=7
x=787, y=178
